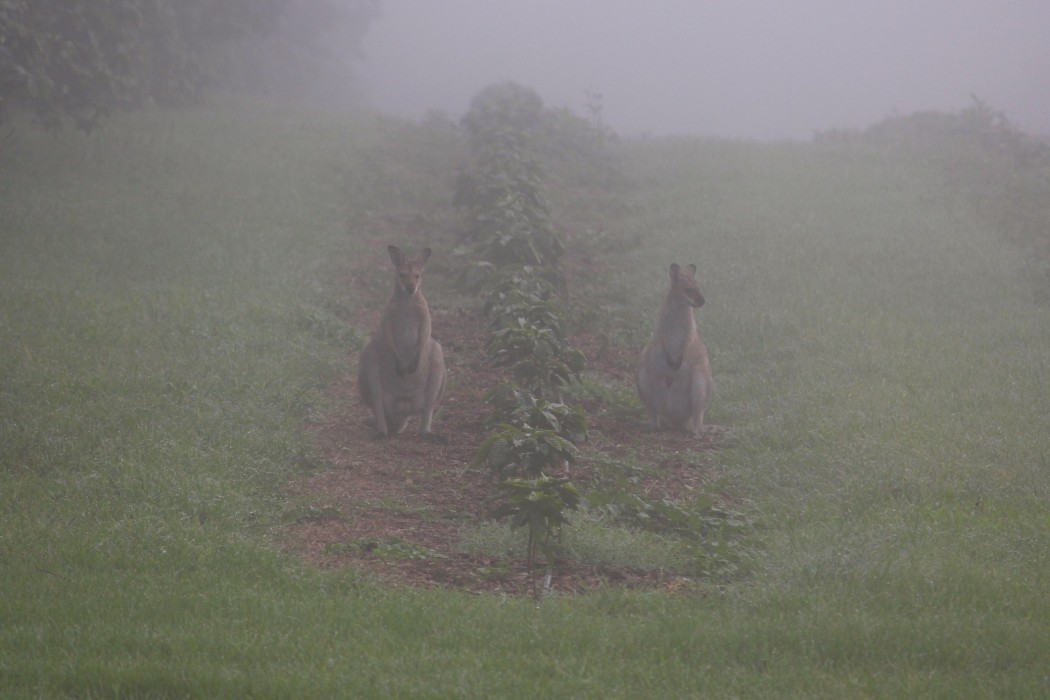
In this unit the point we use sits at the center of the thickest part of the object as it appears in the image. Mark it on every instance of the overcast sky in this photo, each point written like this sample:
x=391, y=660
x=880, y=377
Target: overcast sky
x=735, y=68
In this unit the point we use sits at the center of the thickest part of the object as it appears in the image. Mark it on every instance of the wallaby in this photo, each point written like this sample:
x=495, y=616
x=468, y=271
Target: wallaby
x=402, y=370
x=674, y=377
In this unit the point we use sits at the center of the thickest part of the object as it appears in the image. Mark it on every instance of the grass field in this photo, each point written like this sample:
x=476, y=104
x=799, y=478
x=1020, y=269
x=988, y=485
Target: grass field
x=171, y=312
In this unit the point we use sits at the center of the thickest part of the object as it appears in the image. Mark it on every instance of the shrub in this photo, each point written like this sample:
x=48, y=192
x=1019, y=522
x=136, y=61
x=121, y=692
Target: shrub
x=978, y=127
x=517, y=305
x=521, y=409
x=538, y=358
x=525, y=451
x=533, y=282
x=714, y=533
x=541, y=505
x=503, y=111
x=508, y=216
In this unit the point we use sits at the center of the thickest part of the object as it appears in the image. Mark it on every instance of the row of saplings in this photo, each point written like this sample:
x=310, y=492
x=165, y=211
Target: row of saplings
x=516, y=249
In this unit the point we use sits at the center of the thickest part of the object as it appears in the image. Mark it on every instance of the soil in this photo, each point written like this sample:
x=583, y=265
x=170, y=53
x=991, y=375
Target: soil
x=395, y=508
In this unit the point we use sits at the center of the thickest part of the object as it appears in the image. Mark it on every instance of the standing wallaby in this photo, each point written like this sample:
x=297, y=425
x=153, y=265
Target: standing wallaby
x=674, y=377
x=402, y=370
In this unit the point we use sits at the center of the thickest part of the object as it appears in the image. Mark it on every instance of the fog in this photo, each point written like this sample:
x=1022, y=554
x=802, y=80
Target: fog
x=741, y=69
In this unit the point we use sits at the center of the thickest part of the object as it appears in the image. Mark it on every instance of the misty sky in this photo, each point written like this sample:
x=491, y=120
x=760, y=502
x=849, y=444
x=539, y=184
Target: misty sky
x=733, y=68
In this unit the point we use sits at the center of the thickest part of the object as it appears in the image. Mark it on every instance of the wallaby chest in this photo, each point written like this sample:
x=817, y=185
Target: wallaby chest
x=676, y=330
x=409, y=324
x=406, y=329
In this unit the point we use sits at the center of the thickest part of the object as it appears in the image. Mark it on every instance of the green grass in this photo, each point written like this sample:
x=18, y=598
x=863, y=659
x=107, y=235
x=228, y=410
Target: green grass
x=586, y=539
x=171, y=311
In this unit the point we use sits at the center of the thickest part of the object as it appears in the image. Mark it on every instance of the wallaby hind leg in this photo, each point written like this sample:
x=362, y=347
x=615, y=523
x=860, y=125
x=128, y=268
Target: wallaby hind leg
x=370, y=385
x=644, y=384
x=654, y=425
x=695, y=424
x=434, y=389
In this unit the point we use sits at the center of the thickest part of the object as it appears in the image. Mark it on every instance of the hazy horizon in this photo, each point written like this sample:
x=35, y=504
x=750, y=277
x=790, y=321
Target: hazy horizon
x=742, y=70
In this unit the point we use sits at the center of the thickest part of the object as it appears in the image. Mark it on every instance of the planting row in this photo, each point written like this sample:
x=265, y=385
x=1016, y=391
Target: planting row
x=516, y=252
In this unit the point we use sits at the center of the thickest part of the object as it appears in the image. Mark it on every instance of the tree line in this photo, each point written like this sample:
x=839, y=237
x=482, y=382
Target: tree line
x=79, y=60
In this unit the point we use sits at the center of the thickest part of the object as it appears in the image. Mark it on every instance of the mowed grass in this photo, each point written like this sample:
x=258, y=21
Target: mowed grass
x=170, y=313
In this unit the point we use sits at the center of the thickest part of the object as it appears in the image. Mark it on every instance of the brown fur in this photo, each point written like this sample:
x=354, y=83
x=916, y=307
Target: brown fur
x=402, y=368
x=674, y=376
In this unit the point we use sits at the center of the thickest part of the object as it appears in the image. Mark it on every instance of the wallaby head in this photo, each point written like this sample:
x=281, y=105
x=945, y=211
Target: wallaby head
x=409, y=270
x=683, y=284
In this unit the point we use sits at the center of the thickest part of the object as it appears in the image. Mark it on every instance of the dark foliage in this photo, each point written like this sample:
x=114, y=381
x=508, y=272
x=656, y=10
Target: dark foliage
x=80, y=60
x=977, y=127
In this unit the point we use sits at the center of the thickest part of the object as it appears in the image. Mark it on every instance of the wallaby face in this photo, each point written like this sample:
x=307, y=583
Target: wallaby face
x=409, y=272
x=402, y=370
x=674, y=375
x=683, y=281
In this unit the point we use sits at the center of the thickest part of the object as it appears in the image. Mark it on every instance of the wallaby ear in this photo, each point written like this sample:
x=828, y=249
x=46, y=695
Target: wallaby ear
x=424, y=255
x=692, y=269
x=674, y=271
x=397, y=256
